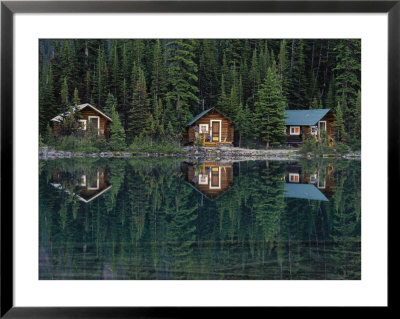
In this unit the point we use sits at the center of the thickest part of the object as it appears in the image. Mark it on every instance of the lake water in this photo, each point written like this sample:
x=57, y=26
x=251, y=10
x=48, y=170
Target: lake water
x=168, y=219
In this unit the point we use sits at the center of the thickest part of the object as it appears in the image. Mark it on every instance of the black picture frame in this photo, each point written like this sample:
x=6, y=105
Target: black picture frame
x=9, y=8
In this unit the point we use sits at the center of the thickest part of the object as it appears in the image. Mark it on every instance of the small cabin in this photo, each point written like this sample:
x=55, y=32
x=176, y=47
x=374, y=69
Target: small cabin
x=312, y=183
x=300, y=123
x=211, y=127
x=86, y=186
x=211, y=179
x=88, y=116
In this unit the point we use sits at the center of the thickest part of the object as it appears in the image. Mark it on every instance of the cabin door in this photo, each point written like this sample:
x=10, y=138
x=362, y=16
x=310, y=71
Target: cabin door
x=94, y=122
x=215, y=181
x=215, y=126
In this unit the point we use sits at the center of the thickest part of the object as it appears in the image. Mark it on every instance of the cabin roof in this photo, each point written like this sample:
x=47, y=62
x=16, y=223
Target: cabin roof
x=304, y=191
x=304, y=117
x=62, y=116
x=200, y=115
x=59, y=186
x=205, y=194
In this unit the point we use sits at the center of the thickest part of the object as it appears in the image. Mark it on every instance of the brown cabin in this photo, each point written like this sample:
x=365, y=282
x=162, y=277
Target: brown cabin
x=210, y=179
x=300, y=123
x=212, y=127
x=88, y=115
x=322, y=179
x=86, y=186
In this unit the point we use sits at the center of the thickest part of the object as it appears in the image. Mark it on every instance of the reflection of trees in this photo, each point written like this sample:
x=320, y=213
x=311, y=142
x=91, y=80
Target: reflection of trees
x=151, y=225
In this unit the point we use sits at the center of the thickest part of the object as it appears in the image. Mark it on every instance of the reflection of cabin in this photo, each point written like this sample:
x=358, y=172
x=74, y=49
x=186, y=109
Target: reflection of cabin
x=309, y=184
x=212, y=127
x=300, y=123
x=86, y=186
x=88, y=117
x=211, y=179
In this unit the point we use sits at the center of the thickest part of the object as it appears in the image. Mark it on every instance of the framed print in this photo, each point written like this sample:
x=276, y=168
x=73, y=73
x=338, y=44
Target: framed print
x=160, y=155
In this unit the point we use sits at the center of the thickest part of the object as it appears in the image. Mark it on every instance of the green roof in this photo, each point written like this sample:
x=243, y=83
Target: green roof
x=198, y=116
x=304, y=191
x=304, y=117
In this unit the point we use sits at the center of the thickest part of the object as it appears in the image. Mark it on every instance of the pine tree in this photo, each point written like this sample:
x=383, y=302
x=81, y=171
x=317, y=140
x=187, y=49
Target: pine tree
x=314, y=105
x=117, y=138
x=139, y=112
x=76, y=99
x=340, y=133
x=158, y=73
x=64, y=94
x=270, y=111
x=110, y=103
x=182, y=88
x=243, y=122
x=208, y=80
x=357, y=124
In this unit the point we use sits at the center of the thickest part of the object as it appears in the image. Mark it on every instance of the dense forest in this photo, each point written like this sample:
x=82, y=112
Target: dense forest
x=151, y=224
x=156, y=86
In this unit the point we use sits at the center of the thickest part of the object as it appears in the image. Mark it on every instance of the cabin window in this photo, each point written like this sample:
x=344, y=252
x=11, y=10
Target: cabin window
x=322, y=126
x=321, y=183
x=93, y=182
x=313, y=178
x=295, y=130
x=314, y=130
x=203, y=128
x=203, y=179
x=95, y=123
x=294, y=178
x=82, y=124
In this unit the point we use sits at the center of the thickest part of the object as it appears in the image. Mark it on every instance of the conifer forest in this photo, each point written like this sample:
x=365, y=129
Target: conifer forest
x=153, y=87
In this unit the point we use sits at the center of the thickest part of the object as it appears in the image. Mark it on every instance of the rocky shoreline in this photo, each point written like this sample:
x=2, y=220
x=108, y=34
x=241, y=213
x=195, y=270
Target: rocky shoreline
x=197, y=154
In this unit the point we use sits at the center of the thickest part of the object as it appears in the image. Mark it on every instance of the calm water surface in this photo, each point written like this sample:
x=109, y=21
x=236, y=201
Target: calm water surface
x=167, y=219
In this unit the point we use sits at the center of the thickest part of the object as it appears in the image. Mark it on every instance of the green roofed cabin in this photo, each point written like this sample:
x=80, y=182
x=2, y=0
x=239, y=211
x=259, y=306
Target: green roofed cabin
x=299, y=123
x=212, y=127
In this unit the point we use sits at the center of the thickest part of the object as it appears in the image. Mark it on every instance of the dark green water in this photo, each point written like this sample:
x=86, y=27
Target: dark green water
x=166, y=219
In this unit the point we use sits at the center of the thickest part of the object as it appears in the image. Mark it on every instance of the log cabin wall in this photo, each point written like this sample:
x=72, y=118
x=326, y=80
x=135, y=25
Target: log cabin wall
x=226, y=182
x=84, y=115
x=227, y=127
x=104, y=123
x=305, y=129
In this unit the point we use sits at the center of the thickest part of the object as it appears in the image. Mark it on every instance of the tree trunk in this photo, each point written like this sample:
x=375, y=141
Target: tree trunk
x=268, y=145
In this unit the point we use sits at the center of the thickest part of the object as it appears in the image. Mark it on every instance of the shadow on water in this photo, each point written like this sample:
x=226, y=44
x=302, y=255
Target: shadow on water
x=166, y=219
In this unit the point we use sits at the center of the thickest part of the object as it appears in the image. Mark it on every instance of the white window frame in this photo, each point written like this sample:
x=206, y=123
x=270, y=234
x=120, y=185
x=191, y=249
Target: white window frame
x=98, y=122
x=315, y=127
x=98, y=183
x=219, y=179
x=319, y=127
x=320, y=185
x=293, y=175
x=83, y=180
x=84, y=126
x=200, y=131
x=294, y=133
x=313, y=178
x=206, y=179
x=220, y=129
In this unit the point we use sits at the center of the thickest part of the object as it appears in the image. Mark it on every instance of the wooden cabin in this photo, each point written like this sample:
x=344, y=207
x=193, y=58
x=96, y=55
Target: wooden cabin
x=321, y=180
x=211, y=127
x=86, y=186
x=210, y=179
x=88, y=116
x=300, y=123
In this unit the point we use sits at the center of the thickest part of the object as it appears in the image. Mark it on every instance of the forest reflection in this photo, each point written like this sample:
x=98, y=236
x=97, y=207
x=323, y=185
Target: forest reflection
x=167, y=219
